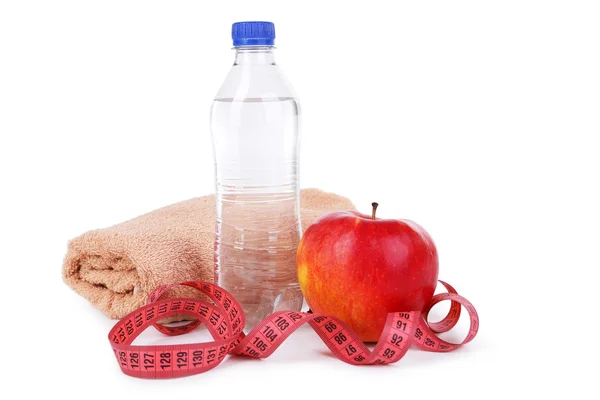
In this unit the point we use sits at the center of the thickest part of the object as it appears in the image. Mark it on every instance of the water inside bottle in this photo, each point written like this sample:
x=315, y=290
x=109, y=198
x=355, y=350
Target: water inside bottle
x=258, y=221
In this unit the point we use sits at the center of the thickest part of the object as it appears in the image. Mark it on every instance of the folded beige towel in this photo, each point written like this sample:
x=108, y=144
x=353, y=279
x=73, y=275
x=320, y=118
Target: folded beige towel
x=117, y=267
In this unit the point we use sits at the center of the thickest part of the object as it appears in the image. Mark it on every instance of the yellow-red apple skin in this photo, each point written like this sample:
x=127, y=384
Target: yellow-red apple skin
x=359, y=269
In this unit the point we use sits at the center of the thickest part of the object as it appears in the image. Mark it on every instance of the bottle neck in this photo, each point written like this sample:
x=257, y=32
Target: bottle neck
x=254, y=55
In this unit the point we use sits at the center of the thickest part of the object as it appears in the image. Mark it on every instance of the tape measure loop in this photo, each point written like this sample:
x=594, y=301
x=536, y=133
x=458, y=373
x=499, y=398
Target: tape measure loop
x=221, y=298
x=451, y=319
x=425, y=335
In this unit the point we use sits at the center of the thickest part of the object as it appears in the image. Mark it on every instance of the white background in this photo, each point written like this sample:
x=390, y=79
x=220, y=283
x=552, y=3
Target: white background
x=477, y=119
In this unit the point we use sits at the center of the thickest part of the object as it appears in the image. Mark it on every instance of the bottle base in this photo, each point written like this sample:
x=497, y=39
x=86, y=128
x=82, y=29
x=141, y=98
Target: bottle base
x=257, y=306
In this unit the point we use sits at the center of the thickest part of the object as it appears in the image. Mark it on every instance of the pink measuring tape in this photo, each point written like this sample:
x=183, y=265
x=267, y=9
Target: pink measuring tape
x=225, y=321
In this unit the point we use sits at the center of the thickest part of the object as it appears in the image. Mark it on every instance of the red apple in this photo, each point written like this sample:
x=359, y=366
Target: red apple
x=359, y=268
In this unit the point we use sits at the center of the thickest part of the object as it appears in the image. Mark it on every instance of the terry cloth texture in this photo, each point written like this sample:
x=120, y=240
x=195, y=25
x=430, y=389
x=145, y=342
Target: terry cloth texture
x=116, y=268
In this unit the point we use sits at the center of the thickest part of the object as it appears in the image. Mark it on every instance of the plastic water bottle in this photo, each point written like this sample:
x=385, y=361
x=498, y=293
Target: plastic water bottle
x=254, y=122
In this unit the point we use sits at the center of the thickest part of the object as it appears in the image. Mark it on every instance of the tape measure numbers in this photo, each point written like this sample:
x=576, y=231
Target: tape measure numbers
x=225, y=321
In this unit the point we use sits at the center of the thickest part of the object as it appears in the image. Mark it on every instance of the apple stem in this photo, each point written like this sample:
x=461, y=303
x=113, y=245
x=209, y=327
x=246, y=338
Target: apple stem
x=375, y=205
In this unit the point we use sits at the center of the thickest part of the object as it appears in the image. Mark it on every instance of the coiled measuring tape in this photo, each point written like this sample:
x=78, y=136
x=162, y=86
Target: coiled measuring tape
x=225, y=321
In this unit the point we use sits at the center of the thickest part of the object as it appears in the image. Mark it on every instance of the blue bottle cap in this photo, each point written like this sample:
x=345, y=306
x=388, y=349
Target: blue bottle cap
x=253, y=33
